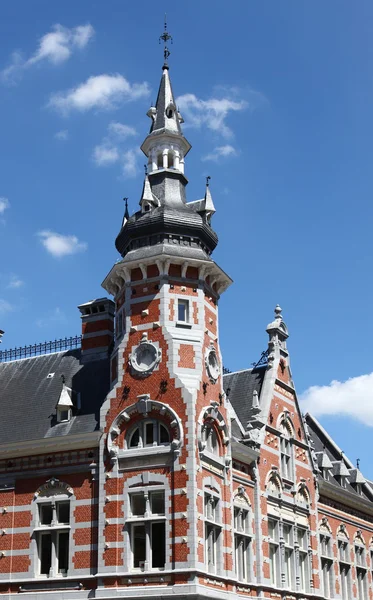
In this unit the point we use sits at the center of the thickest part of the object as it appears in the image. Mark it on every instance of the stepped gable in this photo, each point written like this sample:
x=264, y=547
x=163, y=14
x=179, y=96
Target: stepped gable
x=29, y=396
x=240, y=387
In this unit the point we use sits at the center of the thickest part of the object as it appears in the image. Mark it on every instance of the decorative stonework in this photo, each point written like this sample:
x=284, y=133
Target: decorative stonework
x=212, y=364
x=52, y=487
x=145, y=357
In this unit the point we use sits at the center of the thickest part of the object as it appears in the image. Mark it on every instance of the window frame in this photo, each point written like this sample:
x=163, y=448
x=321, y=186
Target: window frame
x=242, y=541
x=147, y=520
x=327, y=563
x=182, y=301
x=344, y=567
x=141, y=427
x=55, y=528
x=213, y=530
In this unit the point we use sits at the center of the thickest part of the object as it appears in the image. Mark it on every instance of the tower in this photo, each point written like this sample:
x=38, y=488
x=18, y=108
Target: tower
x=166, y=444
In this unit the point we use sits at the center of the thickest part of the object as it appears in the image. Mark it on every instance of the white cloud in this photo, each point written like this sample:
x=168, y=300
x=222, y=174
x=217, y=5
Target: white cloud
x=59, y=245
x=211, y=113
x=220, y=152
x=352, y=398
x=4, y=204
x=15, y=282
x=121, y=131
x=112, y=150
x=100, y=91
x=130, y=163
x=54, y=316
x=5, y=306
x=62, y=135
x=55, y=47
x=105, y=155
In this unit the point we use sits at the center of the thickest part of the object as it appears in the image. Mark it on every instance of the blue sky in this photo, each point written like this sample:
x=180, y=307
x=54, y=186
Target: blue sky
x=277, y=99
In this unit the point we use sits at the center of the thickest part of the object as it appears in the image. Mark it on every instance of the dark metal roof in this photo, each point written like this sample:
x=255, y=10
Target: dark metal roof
x=165, y=99
x=322, y=443
x=28, y=397
x=239, y=388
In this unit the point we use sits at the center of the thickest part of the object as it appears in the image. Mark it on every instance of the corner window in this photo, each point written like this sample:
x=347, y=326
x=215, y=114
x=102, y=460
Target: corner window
x=147, y=529
x=53, y=538
x=148, y=433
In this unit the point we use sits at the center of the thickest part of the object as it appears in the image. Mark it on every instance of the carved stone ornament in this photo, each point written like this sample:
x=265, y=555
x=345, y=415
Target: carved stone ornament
x=212, y=364
x=145, y=357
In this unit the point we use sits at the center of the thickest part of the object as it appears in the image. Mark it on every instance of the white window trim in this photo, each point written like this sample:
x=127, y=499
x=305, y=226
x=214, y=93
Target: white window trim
x=134, y=485
x=187, y=323
x=214, y=524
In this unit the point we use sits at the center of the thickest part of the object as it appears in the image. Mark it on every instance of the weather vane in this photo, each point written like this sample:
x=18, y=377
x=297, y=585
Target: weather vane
x=165, y=37
x=208, y=180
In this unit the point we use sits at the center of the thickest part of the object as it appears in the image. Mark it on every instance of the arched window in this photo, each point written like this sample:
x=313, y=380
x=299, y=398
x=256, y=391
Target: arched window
x=213, y=529
x=210, y=438
x=148, y=433
x=286, y=449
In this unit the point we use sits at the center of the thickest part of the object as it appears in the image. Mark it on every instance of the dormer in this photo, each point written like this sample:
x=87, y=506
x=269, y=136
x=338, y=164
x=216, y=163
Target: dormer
x=356, y=480
x=325, y=464
x=64, y=405
x=341, y=473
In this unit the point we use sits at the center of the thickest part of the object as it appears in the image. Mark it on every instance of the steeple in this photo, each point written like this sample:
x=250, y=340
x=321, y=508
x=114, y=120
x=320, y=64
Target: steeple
x=166, y=223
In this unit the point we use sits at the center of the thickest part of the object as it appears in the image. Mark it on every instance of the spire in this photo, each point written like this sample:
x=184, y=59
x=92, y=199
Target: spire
x=126, y=213
x=165, y=37
x=148, y=200
x=165, y=116
x=208, y=203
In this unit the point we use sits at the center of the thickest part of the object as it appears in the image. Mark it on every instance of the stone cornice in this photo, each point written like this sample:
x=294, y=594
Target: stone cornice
x=121, y=272
x=344, y=497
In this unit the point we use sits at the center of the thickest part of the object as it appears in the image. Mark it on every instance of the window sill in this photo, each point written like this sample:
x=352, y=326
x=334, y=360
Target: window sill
x=55, y=527
x=183, y=324
x=145, y=451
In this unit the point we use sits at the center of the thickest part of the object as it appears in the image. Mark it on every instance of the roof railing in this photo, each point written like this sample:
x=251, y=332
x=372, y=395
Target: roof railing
x=42, y=348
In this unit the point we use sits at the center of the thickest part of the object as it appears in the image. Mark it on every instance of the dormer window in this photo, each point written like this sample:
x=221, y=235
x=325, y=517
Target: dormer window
x=146, y=207
x=169, y=113
x=64, y=404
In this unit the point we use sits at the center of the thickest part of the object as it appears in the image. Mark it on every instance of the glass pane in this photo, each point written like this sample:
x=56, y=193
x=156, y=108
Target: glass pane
x=63, y=552
x=272, y=529
x=182, y=310
x=46, y=514
x=287, y=534
x=157, y=503
x=63, y=512
x=149, y=433
x=138, y=545
x=272, y=562
x=164, y=438
x=138, y=504
x=45, y=553
x=158, y=541
x=135, y=438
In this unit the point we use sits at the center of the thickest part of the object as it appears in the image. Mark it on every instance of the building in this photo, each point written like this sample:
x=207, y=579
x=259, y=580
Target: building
x=132, y=466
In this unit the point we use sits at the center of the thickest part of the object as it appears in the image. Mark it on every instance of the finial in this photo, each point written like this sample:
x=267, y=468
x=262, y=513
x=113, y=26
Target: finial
x=278, y=311
x=165, y=37
x=146, y=169
x=126, y=213
x=358, y=463
x=208, y=180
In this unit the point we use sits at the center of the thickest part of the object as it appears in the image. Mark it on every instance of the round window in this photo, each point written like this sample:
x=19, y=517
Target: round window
x=145, y=357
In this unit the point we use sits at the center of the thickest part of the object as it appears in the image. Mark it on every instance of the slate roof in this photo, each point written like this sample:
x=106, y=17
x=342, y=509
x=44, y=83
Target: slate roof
x=28, y=397
x=239, y=388
x=323, y=444
x=164, y=99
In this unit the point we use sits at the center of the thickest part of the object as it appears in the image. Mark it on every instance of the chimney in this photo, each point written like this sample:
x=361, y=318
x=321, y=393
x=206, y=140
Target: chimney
x=97, y=328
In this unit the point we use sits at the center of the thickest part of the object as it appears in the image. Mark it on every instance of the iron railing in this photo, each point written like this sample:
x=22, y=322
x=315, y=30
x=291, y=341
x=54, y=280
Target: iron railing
x=42, y=348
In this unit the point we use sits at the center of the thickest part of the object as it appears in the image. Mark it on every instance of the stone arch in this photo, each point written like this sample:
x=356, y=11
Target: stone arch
x=324, y=526
x=284, y=421
x=144, y=407
x=53, y=487
x=212, y=415
x=358, y=537
x=303, y=493
x=342, y=531
x=273, y=483
x=240, y=497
